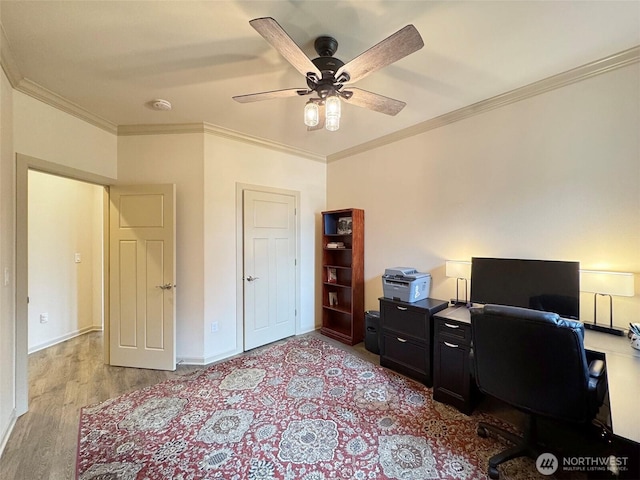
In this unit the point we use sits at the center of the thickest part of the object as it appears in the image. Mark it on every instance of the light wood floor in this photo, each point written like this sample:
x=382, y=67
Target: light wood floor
x=62, y=379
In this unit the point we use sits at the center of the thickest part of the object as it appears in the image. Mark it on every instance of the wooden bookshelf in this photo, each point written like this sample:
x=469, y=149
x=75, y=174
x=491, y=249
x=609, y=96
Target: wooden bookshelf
x=343, y=275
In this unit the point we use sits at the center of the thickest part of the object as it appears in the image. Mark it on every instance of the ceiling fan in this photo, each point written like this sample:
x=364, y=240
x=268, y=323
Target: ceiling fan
x=330, y=78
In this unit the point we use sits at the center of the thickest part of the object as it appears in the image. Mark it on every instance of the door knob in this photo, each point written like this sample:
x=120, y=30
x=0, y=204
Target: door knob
x=166, y=286
x=251, y=279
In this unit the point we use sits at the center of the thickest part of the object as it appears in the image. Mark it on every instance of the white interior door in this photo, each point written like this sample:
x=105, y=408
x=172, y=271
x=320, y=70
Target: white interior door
x=142, y=276
x=269, y=246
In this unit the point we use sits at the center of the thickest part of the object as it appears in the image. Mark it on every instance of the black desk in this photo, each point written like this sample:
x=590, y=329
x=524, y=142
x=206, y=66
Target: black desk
x=623, y=374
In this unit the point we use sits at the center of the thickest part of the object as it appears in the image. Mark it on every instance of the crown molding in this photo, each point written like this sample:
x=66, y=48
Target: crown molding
x=159, y=129
x=280, y=147
x=584, y=72
x=8, y=61
x=31, y=88
x=210, y=129
x=52, y=99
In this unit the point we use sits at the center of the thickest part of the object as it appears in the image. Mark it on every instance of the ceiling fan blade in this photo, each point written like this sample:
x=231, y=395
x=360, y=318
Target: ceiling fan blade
x=257, y=97
x=321, y=116
x=402, y=43
x=282, y=42
x=373, y=101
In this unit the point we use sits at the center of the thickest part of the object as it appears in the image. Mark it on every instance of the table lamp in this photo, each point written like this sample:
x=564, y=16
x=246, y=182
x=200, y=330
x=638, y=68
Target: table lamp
x=459, y=271
x=606, y=284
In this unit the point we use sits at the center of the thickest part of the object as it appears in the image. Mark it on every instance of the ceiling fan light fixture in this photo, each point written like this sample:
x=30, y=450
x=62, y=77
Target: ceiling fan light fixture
x=311, y=114
x=332, y=105
x=332, y=112
x=332, y=122
x=326, y=75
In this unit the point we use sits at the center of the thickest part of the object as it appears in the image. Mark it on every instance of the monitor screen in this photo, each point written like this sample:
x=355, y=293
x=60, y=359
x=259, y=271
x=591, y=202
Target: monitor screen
x=547, y=285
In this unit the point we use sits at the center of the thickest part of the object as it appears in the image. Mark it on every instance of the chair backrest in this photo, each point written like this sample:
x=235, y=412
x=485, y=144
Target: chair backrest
x=532, y=360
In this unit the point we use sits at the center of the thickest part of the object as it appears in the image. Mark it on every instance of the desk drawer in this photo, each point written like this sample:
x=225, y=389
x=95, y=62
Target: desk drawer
x=406, y=356
x=460, y=331
x=405, y=320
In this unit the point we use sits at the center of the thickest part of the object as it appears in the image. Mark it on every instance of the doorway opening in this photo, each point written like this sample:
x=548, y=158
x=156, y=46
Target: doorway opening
x=24, y=165
x=65, y=259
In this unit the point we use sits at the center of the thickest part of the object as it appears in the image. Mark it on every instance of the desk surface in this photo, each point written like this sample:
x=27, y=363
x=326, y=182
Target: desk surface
x=623, y=375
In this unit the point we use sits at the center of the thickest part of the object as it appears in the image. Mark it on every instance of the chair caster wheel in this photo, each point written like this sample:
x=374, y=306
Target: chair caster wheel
x=482, y=432
x=494, y=473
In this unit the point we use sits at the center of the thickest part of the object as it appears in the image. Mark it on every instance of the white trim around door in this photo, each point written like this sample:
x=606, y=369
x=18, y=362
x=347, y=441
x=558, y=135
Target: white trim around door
x=24, y=163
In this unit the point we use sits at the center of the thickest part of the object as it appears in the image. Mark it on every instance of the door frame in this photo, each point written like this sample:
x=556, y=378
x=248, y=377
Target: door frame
x=240, y=189
x=24, y=163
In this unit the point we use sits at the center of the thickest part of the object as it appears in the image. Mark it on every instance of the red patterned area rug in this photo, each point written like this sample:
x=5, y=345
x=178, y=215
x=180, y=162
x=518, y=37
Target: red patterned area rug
x=298, y=410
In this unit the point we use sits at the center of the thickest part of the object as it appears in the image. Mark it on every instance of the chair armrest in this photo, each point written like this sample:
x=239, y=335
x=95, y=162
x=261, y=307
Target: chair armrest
x=596, y=369
x=597, y=382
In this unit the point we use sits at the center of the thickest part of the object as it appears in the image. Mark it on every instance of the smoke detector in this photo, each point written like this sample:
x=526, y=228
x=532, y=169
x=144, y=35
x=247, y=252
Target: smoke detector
x=160, y=105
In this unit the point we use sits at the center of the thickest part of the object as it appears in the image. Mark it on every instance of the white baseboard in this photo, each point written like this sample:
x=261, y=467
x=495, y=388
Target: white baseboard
x=190, y=361
x=202, y=361
x=309, y=330
x=63, y=338
x=7, y=433
x=207, y=360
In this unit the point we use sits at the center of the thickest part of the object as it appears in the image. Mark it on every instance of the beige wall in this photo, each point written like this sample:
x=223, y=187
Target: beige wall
x=7, y=261
x=176, y=159
x=65, y=218
x=556, y=176
x=228, y=163
x=44, y=132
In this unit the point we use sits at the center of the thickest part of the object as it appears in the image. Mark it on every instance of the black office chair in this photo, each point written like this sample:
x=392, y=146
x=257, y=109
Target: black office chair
x=536, y=362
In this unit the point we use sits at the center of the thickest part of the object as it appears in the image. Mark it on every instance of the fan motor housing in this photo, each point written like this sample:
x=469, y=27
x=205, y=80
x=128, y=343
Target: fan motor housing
x=328, y=64
x=326, y=47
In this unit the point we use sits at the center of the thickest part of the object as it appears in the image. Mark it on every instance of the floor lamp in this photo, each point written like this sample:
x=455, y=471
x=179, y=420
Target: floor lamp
x=606, y=284
x=459, y=271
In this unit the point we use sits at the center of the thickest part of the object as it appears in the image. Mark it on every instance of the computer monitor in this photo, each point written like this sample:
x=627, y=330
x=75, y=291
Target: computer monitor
x=547, y=285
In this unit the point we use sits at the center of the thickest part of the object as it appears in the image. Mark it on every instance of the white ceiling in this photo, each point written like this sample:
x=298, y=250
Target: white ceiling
x=111, y=57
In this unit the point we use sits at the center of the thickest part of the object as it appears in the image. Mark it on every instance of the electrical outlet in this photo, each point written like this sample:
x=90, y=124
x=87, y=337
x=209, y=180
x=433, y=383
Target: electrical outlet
x=214, y=327
x=44, y=317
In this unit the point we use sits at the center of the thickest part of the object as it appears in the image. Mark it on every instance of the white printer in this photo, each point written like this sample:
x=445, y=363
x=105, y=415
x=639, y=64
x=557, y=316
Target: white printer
x=405, y=284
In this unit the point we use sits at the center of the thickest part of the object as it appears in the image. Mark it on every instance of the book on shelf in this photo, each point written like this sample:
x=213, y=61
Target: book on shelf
x=333, y=299
x=332, y=275
x=335, y=245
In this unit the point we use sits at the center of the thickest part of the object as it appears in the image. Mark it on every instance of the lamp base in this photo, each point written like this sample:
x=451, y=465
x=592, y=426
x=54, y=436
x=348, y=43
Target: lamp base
x=456, y=303
x=603, y=329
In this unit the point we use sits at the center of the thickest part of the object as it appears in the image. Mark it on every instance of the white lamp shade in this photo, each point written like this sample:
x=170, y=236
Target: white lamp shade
x=456, y=269
x=332, y=105
x=311, y=114
x=608, y=283
x=332, y=122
